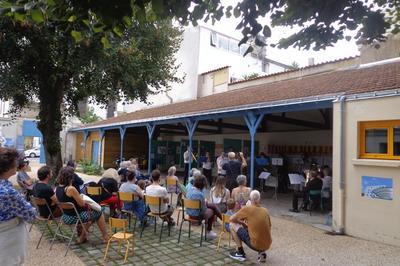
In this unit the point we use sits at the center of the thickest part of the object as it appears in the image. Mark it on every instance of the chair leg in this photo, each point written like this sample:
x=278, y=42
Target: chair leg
x=72, y=237
x=201, y=236
x=162, y=226
x=229, y=239
x=179, y=214
x=55, y=234
x=40, y=239
x=129, y=220
x=219, y=240
x=127, y=249
x=190, y=227
x=142, y=229
x=134, y=225
x=180, y=231
x=169, y=230
x=108, y=246
x=155, y=224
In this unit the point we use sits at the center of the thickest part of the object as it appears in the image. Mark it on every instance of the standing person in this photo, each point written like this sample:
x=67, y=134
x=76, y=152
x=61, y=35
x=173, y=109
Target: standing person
x=219, y=194
x=23, y=179
x=207, y=169
x=14, y=212
x=156, y=190
x=77, y=182
x=208, y=211
x=221, y=160
x=42, y=190
x=233, y=169
x=251, y=225
x=66, y=192
x=187, y=158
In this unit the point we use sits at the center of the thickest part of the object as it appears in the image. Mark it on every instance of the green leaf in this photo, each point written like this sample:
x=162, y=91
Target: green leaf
x=72, y=18
x=105, y=42
x=118, y=30
x=37, y=15
x=157, y=6
x=29, y=6
x=19, y=17
x=77, y=35
x=4, y=10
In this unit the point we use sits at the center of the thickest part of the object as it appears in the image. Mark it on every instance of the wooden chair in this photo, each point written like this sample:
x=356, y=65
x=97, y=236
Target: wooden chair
x=225, y=220
x=196, y=205
x=116, y=224
x=128, y=197
x=68, y=206
x=156, y=201
x=172, y=182
x=39, y=202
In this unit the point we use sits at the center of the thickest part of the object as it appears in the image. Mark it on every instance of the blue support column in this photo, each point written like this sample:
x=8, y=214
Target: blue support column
x=102, y=135
x=85, y=137
x=150, y=130
x=122, y=131
x=252, y=121
x=191, y=125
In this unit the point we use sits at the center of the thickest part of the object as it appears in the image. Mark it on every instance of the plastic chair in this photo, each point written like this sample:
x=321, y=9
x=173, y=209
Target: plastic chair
x=128, y=197
x=155, y=201
x=39, y=202
x=68, y=206
x=312, y=195
x=225, y=220
x=116, y=224
x=195, y=205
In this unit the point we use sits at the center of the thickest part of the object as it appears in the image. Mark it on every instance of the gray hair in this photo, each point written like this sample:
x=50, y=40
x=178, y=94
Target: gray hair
x=195, y=172
x=231, y=155
x=172, y=171
x=242, y=180
x=125, y=164
x=255, y=196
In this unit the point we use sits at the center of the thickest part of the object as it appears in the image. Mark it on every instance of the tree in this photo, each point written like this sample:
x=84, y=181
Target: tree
x=42, y=63
x=321, y=23
x=89, y=117
x=250, y=76
x=295, y=65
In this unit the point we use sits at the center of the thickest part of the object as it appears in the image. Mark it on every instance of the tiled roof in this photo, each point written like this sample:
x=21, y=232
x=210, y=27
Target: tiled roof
x=214, y=70
x=350, y=81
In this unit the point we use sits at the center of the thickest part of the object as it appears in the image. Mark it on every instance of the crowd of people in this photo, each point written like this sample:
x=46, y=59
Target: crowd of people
x=229, y=194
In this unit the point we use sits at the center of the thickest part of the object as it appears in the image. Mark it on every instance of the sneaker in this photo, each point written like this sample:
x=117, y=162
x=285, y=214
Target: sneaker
x=237, y=256
x=294, y=210
x=262, y=257
x=211, y=235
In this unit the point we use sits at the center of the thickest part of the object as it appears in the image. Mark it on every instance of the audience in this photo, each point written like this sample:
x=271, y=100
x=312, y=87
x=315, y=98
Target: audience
x=251, y=225
x=219, y=194
x=231, y=211
x=66, y=192
x=42, y=190
x=122, y=170
x=233, y=168
x=14, y=212
x=156, y=190
x=193, y=173
x=138, y=206
x=77, y=182
x=23, y=179
x=177, y=189
x=111, y=172
x=241, y=193
x=108, y=195
x=208, y=211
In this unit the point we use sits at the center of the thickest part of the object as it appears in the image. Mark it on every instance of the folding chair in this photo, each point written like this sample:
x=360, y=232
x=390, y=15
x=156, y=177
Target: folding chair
x=116, y=223
x=155, y=201
x=128, y=197
x=68, y=206
x=196, y=205
x=225, y=220
x=39, y=202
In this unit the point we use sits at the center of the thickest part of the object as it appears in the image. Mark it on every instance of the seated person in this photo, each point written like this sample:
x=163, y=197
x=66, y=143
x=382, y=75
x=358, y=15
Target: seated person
x=122, y=170
x=66, y=192
x=178, y=188
x=219, y=194
x=251, y=225
x=230, y=204
x=77, y=182
x=241, y=193
x=314, y=183
x=156, y=190
x=193, y=173
x=137, y=207
x=208, y=211
x=142, y=184
x=42, y=190
x=23, y=179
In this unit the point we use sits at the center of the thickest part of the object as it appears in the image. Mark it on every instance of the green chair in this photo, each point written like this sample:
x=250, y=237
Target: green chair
x=312, y=195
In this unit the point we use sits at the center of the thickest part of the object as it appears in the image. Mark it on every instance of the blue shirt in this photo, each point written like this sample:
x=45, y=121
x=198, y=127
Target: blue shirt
x=13, y=204
x=196, y=194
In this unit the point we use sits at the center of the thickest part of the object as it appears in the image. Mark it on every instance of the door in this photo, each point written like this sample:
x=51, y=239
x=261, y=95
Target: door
x=234, y=145
x=95, y=151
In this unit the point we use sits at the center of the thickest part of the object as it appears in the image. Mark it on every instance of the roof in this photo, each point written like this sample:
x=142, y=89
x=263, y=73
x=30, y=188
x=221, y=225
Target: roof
x=340, y=82
x=214, y=70
x=297, y=69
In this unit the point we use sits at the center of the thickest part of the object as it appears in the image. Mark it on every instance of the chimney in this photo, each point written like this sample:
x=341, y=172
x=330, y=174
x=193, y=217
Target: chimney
x=311, y=61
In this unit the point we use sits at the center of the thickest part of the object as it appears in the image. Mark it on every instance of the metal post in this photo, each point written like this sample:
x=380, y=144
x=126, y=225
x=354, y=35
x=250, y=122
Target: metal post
x=85, y=137
x=150, y=130
x=122, y=131
x=252, y=121
x=191, y=127
x=102, y=135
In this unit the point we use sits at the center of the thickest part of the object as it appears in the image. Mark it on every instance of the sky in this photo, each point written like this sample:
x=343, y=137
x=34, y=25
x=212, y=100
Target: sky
x=340, y=50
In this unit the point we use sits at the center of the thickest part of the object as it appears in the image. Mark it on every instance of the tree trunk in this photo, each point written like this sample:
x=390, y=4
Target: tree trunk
x=50, y=123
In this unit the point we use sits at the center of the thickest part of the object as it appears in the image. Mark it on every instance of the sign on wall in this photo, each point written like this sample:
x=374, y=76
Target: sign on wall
x=377, y=187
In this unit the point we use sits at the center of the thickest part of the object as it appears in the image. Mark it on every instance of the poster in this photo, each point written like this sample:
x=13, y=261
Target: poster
x=377, y=187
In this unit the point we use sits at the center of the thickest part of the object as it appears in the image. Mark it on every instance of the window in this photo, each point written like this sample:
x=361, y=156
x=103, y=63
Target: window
x=233, y=46
x=380, y=140
x=223, y=43
x=213, y=39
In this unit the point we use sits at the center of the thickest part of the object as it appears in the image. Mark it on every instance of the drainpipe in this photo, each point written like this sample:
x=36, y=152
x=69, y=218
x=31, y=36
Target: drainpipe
x=342, y=197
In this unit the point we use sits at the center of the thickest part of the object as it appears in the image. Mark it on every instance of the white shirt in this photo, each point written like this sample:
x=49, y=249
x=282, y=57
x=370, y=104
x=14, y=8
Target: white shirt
x=220, y=162
x=157, y=191
x=217, y=200
x=186, y=157
x=207, y=165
